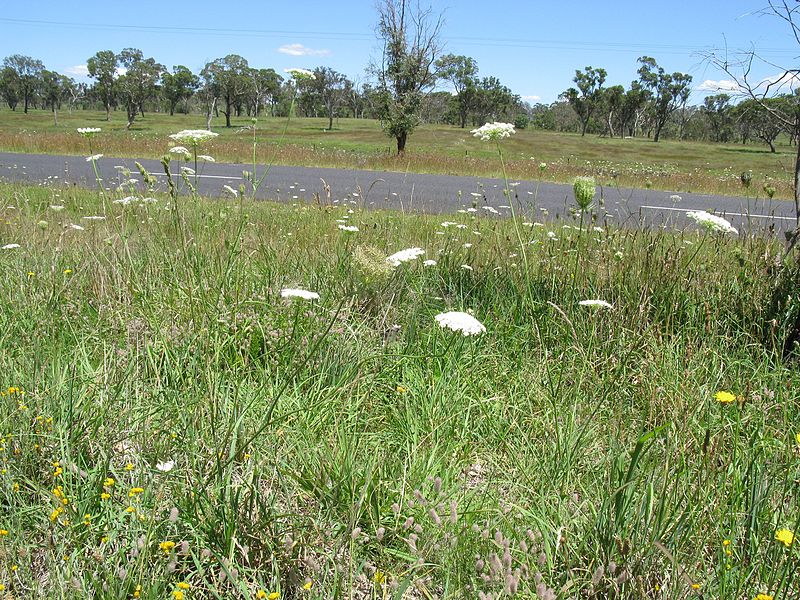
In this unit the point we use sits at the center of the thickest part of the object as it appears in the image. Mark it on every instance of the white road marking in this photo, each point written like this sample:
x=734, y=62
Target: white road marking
x=201, y=176
x=735, y=214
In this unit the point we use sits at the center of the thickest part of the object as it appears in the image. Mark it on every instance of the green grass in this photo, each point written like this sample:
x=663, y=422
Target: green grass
x=360, y=143
x=354, y=444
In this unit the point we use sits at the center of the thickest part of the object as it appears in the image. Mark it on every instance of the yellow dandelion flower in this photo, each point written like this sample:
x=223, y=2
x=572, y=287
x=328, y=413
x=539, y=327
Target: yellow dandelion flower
x=67, y=271
x=14, y=567
x=183, y=585
x=724, y=397
x=380, y=577
x=3, y=532
x=16, y=487
x=130, y=509
x=763, y=597
x=273, y=596
x=261, y=594
x=177, y=595
x=401, y=390
x=166, y=546
x=785, y=536
x=134, y=491
x=726, y=542
x=695, y=586
x=2, y=587
x=105, y=496
x=108, y=482
x=129, y=467
x=797, y=437
x=307, y=585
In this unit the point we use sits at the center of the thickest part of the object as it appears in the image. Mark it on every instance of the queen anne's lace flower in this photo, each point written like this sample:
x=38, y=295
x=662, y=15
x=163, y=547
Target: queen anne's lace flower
x=711, y=222
x=299, y=293
x=584, y=189
x=94, y=157
x=9, y=247
x=595, y=303
x=460, y=322
x=193, y=137
x=349, y=228
x=494, y=131
x=88, y=131
x=406, y=255
x=181, y=151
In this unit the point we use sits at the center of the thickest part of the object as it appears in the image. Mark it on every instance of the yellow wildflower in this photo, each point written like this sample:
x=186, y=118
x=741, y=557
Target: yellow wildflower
x=67, y=271
x=105, y=496
x=108, y=482
x=695, y=586
x=183, y=585
x=177, y=595
x=401, y=389
x=16, y=487
x=763, y=597
x=137, y=592
x=273, y=596
x=2, y=587
x=134, y=491
x=129, y=467
x=261, y=594
x=14, y=567
x=797, y=437
x=724, y=397
x=785, y=537
x=3, y=532
x=380, y=577
x=307, y=585
x=130, y=509
x=166, y=546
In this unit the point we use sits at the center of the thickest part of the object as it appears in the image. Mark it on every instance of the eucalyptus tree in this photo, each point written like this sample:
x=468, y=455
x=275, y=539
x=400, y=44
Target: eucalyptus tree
x=178, y=86
x=462, y=73
x=410, y=39
x=139, y=83
x=228, y=79
x=329, y=87
x=10, y=87
x=102, y=67
x=55, y=88
x=265, y=89
x=29, y=72
x=669, y=92
x=586, y=99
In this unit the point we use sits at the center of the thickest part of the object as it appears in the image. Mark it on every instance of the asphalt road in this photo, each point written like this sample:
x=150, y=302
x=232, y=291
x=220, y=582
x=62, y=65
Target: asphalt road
x=418, y=192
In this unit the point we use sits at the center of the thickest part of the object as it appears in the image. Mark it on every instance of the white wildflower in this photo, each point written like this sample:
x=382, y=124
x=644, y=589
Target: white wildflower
x=460, y=322
x=675, y=198
x=711, y=222
x=10, y=246
x=166, y=466
x=595, y=303
x=299, y=293
x=94, y=218
x=125, y=201
x=429, y=263
x=187, y=170
x=493, y=131
x=491, y=209
x=181, y=151
x=230, y=190
x=349, y=228
x=206, y=158
x=406, y=255
x=88, y=131
x=57, y=207
x=94, y=157
x=193, y=137
x=77, y=227
x=467, y=268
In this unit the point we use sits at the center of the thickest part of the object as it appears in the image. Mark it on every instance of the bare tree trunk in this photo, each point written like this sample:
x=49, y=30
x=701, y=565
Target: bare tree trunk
x=401, y=143
x=55, y=115
x=209, y=113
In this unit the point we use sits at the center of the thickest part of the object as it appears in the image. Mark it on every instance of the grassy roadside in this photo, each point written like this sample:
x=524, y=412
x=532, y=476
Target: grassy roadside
x=357, y=143
x=173, y=427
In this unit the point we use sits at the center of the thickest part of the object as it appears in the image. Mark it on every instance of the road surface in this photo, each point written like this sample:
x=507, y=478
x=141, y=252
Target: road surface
x=417, y=192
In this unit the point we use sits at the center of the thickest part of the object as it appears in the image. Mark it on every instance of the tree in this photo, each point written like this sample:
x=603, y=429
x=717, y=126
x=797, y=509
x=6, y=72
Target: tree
x=786, y=114
x=29, y=73
x=586, y=99
x=410, y=38
x=10, y=87
x=632, y=109
x=757, y=121
x=103, y=67
x=462, y=73
x=669, y=92
x=139, y=83
x=716, y=110
x=178, y=86
x=265, y=88
x=610, y=105
x=55, y=89
x=229, y=79
x=494, y=101
x=329, y=88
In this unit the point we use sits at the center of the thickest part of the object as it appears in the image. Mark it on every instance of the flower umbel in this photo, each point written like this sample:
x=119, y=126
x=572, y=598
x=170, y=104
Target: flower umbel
x=584, y=189
x=492, y=132
x=406, y=255
x=595, y=303
x=460, y=322
x=711, y=222
x=299, y=293
x=193, y=137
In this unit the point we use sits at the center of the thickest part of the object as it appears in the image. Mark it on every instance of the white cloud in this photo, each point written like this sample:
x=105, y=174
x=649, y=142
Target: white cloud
x=300, y=50
x=531, y=98
x=779, y=82
x=79, y=70
x=722, y=85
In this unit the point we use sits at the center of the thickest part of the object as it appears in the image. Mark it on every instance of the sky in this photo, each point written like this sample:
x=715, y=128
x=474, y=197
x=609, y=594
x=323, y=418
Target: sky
x=533, y=46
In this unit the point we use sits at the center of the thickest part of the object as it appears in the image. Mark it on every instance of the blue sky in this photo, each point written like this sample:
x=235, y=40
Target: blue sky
x=533, y=47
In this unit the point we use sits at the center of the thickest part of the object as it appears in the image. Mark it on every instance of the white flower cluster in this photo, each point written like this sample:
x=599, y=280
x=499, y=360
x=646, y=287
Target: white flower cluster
x=88, y=131
x=494, y=131
x=595, y=303
x=460, y=322
x=94, y=157
x=193, y=136
x=181, y=151
x=299, y=293
x=406, y=255
x=711, y=222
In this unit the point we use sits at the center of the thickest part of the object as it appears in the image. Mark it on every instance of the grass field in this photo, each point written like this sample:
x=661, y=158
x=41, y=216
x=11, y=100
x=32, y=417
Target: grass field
x=174, y=428
x=358, y=143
